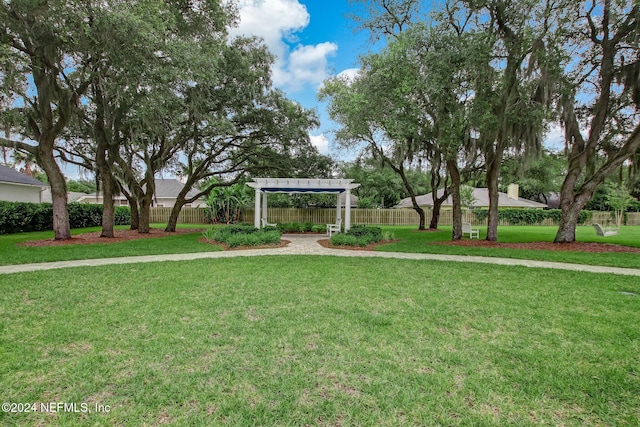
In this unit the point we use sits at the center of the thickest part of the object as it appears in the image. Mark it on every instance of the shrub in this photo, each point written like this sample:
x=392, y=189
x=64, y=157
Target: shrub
x=296, y=227
x=358, y=235
x=123, y=215
x=291, y=227
x=243, y=235
x=84, y=215
x=18, y=217
x=341, y=239
x=319, y=228
x=374, y=234
x=529, y=216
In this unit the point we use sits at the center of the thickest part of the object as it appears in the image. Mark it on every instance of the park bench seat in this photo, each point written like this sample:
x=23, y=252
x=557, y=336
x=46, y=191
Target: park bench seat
x=605, y=231
x=474, y=233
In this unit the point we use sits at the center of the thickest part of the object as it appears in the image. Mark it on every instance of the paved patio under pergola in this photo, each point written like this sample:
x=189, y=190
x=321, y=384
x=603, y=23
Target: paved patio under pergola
x=263, y=186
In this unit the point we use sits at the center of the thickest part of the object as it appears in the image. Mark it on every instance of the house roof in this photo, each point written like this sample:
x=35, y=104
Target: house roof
x=165, y=188
x=481, y=200
x=8, y=174
x=171, y=188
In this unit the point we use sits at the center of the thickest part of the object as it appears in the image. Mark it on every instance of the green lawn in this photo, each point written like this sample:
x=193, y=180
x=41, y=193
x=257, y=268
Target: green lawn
x=410, y=240
x=11, y=253
x=322, y=341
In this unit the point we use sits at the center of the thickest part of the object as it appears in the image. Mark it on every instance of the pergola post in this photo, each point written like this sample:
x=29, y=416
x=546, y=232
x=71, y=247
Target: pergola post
x=338, y=208
x=256, y=212
x=264, y=208
x=347, y=211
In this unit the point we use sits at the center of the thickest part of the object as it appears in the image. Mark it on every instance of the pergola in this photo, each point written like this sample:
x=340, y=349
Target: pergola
x=299, y=185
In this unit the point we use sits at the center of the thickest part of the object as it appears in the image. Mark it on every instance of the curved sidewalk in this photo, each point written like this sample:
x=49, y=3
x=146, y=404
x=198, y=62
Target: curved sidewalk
x=308, y=245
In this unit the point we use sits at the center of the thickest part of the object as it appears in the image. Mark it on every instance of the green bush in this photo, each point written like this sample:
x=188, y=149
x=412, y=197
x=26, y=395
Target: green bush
x=341, y=239
x=529, y=216
x=358, y=235
x=291, y=227
x=123, y=215
x=374, y=234
x=253, y=239
x=83, y=215
x=296, y=227
x=243, y=235
x=319, y=228
x=18, y=217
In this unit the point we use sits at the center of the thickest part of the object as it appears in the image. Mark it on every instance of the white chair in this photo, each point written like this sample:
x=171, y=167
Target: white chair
x=605, y=231
x=472, y=232
x=334, y=228
x=266, y=224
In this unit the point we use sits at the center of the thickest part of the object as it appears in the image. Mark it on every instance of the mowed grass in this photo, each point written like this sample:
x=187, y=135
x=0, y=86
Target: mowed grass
x=412, y=240
x=12, y=253
x=301, y=340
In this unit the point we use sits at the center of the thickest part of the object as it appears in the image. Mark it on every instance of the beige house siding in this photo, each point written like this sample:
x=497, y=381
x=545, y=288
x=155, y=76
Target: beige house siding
x=160, y=202
x=13, y=192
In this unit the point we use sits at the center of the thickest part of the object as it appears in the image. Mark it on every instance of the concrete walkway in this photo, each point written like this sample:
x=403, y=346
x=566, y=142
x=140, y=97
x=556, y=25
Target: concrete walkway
x=308, y=245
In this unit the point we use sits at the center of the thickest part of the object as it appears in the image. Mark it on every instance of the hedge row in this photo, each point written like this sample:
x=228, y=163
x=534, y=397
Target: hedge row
x=18, y=217
x=529, y=216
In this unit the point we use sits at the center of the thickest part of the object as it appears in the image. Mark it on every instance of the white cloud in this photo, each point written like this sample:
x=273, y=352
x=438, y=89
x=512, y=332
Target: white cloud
x=349, y=74
x=554, y=138
x=277, y=22
x=320, y=142
x=308, y=64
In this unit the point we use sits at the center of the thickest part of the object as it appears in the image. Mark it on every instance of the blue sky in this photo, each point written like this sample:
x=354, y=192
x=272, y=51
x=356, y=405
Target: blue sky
x=312, y=41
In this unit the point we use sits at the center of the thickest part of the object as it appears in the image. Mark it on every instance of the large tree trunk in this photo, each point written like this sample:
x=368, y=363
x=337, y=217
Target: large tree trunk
x=135, y=215
x=108, y=207
x=412, y=194
x=145, y=216
x=493, y=172
x=454, y=174
x=437, y=205
x=105, y=169
x=61, y=227
x=175, y=213
x=108, y=190
x=574, y=197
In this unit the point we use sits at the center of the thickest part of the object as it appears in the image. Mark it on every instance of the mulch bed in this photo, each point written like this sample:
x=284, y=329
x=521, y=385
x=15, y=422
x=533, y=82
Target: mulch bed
x=548, y=246
x=370, y=247
x=120, y=236
x=125, y=235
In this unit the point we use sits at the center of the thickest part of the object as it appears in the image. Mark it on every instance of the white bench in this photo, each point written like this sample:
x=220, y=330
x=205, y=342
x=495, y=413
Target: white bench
x=334, y=228
x=474, y=233
x=605, y=231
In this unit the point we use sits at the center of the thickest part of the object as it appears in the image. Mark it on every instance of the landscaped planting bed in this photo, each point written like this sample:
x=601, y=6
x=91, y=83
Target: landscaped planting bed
x=243, y=235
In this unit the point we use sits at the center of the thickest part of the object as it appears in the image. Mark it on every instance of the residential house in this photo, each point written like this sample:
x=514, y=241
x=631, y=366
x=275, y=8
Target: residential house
x=510, y=199
x=165, y=196
x=18, y=187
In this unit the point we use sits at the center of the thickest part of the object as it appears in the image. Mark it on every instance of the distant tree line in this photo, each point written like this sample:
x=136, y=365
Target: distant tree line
x=472, y=88
x=126, y=90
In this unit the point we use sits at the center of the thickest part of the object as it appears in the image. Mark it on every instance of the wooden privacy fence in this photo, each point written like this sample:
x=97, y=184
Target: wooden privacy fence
x=362, y=216
x=187, y=215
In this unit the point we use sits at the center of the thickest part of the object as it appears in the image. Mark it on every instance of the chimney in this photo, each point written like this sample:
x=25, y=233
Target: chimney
x=513, y=191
